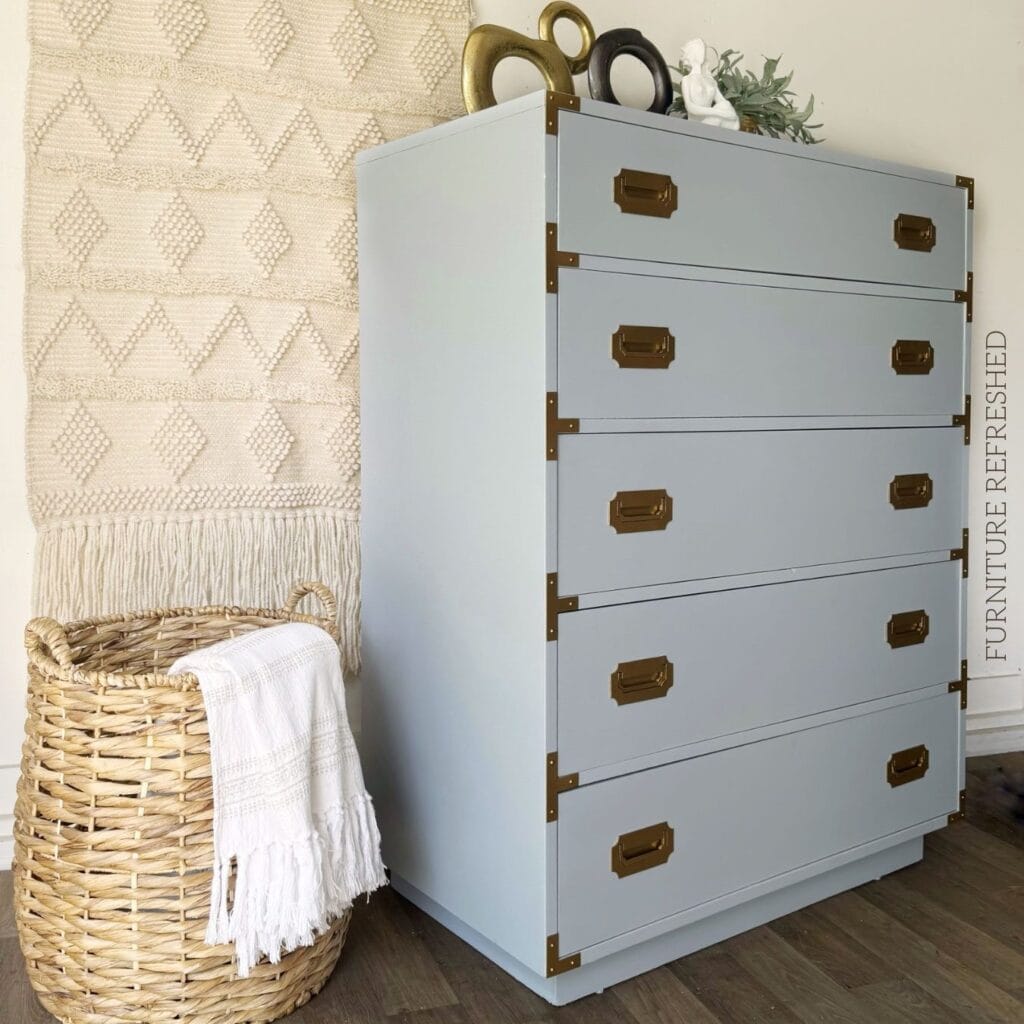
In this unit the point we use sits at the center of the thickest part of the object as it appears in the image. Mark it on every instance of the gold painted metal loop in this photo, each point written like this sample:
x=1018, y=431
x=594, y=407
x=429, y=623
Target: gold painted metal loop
x=643, y=679
x=910, y=231
x=907, y=765
x=645, y=193
x=913, y=357
x=643, y=849
x=559, y=9
x=643, y=348
x=904, y=629
x=910, y=490
x=488, y=45
x=639, y=511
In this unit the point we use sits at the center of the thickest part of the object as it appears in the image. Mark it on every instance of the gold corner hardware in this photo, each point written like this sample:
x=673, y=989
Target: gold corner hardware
x=966, y=296
x=961, y=812
x=960, y=685
x=963, y=419
x=557, y=101
x=963, y=553
x=643, y=849
x=963, y=181
x=557, y=964
x=905, y=629
x=556, y=426
x=909, y=231
x=557, y=258
x=910, y=490
x=558, y=784
x=907, y=766
x=557, y=604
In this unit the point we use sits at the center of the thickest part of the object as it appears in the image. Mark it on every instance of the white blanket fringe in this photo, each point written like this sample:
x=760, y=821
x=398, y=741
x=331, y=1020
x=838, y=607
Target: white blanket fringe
x=290, y=808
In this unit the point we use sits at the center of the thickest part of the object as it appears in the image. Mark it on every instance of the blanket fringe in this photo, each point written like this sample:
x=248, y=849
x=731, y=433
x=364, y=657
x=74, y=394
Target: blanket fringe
x=324, y=870
x=247, y=558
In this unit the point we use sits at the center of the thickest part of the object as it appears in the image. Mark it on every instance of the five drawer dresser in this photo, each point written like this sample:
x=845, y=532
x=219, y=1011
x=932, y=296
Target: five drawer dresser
x=664, y=492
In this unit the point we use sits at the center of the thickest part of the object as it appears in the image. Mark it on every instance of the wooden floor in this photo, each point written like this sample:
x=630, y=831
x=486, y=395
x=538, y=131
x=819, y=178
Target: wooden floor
x=941, y=942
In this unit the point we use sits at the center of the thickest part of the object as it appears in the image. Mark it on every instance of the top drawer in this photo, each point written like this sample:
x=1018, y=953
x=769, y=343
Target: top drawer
x=752, y=209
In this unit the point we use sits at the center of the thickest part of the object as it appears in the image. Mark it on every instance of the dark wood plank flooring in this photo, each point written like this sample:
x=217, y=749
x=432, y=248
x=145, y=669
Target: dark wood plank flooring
x=941, y=942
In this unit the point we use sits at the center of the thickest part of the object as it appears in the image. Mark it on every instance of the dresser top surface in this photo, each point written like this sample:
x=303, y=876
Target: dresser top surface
x=659, y=122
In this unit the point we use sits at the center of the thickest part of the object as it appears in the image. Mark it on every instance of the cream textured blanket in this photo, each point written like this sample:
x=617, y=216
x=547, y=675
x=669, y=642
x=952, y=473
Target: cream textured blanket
x=290, y=808
x=191, y=325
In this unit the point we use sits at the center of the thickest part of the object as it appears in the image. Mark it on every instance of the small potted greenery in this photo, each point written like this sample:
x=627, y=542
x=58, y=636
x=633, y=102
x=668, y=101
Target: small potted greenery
x=764, y=104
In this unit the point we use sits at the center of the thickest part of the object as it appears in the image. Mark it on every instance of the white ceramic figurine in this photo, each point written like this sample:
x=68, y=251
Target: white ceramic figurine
x=704, y=100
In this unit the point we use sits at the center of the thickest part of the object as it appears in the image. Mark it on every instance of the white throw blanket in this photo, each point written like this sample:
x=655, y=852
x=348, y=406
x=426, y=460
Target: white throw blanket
x=289, y=803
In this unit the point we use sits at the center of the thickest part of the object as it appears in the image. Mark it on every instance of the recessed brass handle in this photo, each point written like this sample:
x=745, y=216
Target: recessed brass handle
x=645, y=193
x=913, y=356
x=910, y=490
x=643, y=679
x=645, y=848
x=643, y=348
x=638, y=511
x=907, y=765
x=912, y=232
x=905, y=629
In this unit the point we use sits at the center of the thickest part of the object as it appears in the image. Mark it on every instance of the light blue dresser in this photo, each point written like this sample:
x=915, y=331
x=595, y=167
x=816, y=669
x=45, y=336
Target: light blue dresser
x=664, y=469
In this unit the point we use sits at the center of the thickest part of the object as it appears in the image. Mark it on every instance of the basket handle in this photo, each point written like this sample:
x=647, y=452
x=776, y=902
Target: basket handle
x=46, y=636
x=300, y=590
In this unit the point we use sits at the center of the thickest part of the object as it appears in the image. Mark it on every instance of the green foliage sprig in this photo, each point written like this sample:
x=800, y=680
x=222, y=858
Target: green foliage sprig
x=767, y=100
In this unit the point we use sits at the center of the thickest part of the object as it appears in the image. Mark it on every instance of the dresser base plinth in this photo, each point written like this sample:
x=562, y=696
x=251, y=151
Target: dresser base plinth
x=645, y=956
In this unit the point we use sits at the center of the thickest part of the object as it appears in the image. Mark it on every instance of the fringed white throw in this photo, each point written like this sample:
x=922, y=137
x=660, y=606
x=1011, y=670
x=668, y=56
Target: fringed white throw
x=191, y=330
x=290, y=807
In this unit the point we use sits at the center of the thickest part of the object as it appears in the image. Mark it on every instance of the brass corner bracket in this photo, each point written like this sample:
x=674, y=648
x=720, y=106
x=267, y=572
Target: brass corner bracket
x=556, y=964
x=962, y=553
x=555, y=101
x=961, y=812
x=557, y=784
x=556, y=426
x=960, y=685
x=557, y=605
x=962, y=181
x=556, y=258
x=963, y=419
x=966, y=296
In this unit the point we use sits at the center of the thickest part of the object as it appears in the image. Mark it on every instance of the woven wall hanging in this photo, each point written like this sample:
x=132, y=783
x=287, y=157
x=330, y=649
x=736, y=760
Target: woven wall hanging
x=191, y=336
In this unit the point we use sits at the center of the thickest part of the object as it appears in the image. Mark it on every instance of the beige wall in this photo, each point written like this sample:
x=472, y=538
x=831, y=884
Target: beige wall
x=921, y=81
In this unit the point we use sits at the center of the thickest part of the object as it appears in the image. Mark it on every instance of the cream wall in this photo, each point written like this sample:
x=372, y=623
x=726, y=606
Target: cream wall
x=920, y=81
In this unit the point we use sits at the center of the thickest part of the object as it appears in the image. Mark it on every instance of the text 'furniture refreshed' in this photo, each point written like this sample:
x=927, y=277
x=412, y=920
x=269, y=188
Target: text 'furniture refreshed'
x=664, y=476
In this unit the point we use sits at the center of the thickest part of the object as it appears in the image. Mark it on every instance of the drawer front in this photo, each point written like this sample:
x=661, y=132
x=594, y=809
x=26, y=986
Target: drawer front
x=697, y=505
x=747, y=814
x=751, y=209
x=631, y=346
x=638, y=678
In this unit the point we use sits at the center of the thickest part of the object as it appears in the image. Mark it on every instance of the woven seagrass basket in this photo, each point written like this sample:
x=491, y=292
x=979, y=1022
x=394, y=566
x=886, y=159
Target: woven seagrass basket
x=114, y=827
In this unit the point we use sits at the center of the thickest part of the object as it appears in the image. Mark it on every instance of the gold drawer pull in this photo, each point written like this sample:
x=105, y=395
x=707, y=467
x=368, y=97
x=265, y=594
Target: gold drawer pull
x=646, y=193
x=638, y=511
x=645, y=848
x=907, y=628
x=644, y=679
x=913, y=356
x=907, y=765
x=912, y=232
x=910, y=490
x=643, y=348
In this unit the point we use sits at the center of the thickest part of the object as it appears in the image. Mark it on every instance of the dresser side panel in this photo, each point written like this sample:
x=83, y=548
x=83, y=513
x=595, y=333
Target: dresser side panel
x=452, y=243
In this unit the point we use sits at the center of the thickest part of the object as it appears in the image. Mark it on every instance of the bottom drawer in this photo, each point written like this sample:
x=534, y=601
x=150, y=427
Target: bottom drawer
x=743, y=815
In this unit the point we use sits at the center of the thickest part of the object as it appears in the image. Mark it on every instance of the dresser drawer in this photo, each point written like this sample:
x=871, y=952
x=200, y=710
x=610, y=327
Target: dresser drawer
x=639, y=678
x=747, y=814
x=642, y=509
x=750, y=209
x=632, y=346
